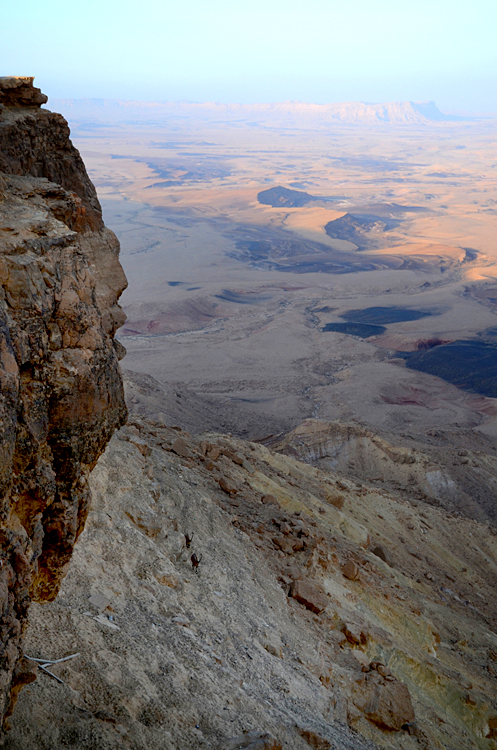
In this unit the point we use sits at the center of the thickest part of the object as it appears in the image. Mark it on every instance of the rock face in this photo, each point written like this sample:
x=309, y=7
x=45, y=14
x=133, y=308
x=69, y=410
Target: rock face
x=36, y=142
x=61, y=390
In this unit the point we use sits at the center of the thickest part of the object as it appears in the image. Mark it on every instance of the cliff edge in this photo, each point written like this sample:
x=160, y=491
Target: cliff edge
x=61, y=389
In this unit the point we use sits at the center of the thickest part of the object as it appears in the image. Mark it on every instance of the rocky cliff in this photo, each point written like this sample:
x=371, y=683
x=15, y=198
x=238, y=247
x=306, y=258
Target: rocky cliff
x=61, y=390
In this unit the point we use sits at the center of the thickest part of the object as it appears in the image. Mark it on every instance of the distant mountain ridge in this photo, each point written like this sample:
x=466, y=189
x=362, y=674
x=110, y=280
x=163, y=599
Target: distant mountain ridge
x=353, y=113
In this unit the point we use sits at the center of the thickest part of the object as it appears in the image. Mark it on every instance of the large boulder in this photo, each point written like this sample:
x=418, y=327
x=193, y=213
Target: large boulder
x=385, y=701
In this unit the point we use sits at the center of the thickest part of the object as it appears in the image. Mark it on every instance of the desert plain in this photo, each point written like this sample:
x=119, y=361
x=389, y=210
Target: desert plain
x=288, y=267
x=229, y=296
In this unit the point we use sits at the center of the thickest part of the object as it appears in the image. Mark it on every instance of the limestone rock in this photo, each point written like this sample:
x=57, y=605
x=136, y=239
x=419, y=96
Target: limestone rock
x=354, y=633
x=284, y=544
x=142, y=446
x=308, y=595
x=351, y=570
x=227, y=486
x=383, y=554
x=361, y=658
x=235, y=457
x=248, y=466
x=385, y=702
x=213, y=452
x=354, y=531
x=181, y=448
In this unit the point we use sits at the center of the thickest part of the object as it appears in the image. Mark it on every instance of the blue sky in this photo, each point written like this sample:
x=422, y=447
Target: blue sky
x=257, y=50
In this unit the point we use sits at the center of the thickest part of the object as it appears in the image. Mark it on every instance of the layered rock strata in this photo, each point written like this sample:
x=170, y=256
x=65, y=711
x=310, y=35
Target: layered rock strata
x=61, y=389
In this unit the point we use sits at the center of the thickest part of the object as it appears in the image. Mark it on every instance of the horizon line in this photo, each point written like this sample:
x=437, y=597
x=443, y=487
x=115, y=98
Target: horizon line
x=213, y=102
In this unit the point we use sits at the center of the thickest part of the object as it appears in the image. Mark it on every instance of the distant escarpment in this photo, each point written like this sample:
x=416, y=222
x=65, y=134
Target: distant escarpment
x=276, y=114
x=61, y=389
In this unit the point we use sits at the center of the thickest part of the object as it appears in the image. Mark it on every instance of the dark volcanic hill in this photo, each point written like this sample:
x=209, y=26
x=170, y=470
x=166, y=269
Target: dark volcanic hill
x=284, y=197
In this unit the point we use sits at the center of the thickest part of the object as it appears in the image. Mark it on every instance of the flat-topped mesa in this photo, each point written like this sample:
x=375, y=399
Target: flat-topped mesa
x=36, y=141
x=61, y=394
x=18, y=91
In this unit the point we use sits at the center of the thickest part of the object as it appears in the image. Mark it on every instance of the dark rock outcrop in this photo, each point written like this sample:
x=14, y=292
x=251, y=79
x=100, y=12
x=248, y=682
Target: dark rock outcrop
x=18, y=91
x=281, y=197
x=61, y=389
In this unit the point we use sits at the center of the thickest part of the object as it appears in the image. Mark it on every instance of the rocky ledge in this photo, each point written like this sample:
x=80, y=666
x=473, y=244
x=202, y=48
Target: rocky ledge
x=61, y=389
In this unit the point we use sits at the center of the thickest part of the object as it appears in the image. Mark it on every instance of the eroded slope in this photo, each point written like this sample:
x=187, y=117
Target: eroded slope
x=324, y=612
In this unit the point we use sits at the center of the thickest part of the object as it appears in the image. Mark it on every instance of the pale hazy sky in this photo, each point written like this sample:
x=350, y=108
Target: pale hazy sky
x=257, y=50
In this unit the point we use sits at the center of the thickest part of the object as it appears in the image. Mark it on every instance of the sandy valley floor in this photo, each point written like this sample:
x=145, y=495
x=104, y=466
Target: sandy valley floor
x=229, y=297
